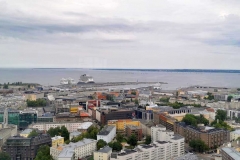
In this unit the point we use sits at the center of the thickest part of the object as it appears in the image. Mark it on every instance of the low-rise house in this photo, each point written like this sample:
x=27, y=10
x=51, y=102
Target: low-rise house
x=103, y=154
x=57, y=140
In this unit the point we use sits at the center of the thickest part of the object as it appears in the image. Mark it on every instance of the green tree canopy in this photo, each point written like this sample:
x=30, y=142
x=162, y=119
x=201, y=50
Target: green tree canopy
x=116, y=146
x=4, y=156
x=209, y=96
x=33, y=134
x=132, y=140
x=91, y=133
x=101, y=143
x=37, y=103
x=5, y=86
x=43, y=153
x=198, y=145
x=222, y=125
x=148, y=139
x=190, y=119
x=119, y=137
x=221, y=115
x=164, y=99
x=229, y=98
x=133, y=93
x=59, y=132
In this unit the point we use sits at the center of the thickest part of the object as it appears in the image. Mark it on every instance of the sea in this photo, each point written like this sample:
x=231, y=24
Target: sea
x=174, y=78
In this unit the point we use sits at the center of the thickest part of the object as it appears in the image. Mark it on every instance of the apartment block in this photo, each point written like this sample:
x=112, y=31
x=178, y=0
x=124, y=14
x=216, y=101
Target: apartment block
x=107, y=133
x=159, y=133
x=229, y=154
x=121, y=125
x=159, y=150
x=71, y=126
x=77, y=150
x=211, y=136
x=25, y=148
x=137, y=131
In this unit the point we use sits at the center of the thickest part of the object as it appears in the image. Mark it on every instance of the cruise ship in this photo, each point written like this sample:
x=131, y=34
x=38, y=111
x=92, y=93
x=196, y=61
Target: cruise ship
x=64, y=81
x=86, y=79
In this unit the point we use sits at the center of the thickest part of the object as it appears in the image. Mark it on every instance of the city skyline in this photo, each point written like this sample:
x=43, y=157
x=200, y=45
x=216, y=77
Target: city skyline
x=120, y=34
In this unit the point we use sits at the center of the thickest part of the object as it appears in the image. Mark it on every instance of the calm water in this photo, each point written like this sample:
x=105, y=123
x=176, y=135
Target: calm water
x=174, y=79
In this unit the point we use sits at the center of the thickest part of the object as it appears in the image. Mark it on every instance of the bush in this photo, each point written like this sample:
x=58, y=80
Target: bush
x=37, y=103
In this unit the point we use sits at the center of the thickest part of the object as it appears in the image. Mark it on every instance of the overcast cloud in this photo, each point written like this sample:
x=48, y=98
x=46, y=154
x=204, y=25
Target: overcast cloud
x=197, y=34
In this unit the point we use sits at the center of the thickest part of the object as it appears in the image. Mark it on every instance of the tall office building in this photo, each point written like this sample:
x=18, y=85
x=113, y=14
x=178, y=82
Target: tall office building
x=20, y=148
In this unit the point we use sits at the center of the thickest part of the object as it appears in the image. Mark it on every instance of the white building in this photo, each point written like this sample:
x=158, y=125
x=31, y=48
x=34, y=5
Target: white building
x=71, y=126
x=84, y=126
x=173, y=143
x=72, y=151
x=107, y=133
x=234, y=135
x=159, y=150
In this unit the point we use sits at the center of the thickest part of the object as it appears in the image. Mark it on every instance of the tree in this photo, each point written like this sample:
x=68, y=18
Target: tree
x=148, y=139
x=43, y=153
x=222, y=125
x=64, y=133
x=221, y=115
x=116, y=146
x=33, y=134
x=229, y=98
x=209, y=96
x=190, y=119
x=198, y=145
x=136, y=101
x=5, y=86
x=164, y=99
x=91, y=133
x=133, y=93
x=59, y=132
x=101, y=143
x=119, y=137
x=132, y=140
x=37, y=103
x=109, y=97
x=4, y=156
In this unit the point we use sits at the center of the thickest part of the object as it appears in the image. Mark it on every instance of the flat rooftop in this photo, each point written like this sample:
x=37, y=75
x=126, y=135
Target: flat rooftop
x=232, y=152
x=106, y=130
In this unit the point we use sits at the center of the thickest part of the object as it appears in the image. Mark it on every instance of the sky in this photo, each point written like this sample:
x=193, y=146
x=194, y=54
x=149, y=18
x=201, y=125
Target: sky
x=157, y=34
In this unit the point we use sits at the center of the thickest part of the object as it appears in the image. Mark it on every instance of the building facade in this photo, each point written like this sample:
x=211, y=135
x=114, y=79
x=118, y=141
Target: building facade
x=57, y=141
x=103, y=154
x=25, y=148
x=137, y=131
x=229, y=154
x=77, y=150
x=107, y=133
x=121, y=125
x=212, y=137
x=71, y=126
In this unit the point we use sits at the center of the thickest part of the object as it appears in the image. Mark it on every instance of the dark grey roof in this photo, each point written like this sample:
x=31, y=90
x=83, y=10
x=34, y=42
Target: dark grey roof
x=105, y=149
x=106, y=130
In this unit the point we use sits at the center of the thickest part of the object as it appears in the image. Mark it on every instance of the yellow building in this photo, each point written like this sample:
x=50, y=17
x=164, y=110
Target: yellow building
x=33, y=96
x=121, y=125
x=57, y=140
x=26, y=132
x=74, y=109
x=103, y=154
